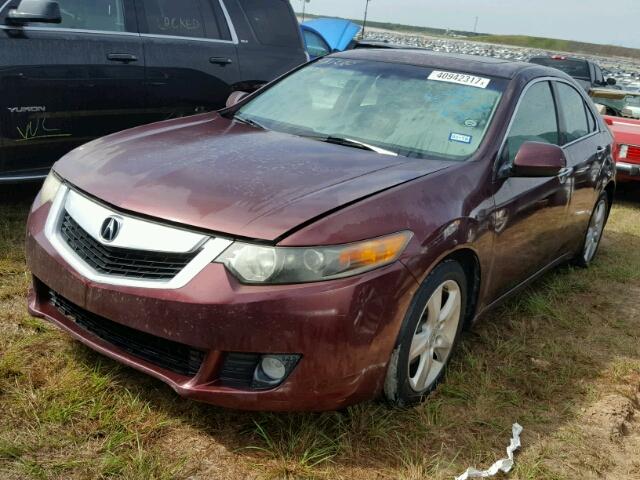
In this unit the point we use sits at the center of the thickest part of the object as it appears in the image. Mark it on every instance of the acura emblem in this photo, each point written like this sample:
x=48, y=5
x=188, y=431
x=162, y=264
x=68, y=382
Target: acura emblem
x=110, y=229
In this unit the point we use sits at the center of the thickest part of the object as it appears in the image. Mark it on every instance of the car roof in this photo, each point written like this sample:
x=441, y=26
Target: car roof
x=455, y=62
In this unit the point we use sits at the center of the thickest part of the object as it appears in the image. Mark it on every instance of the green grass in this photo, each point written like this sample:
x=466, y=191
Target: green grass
x=543, y=359
x=557, y=45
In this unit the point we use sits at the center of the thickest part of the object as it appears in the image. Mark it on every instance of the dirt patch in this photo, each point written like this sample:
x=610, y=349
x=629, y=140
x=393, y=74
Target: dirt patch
x=614, y=416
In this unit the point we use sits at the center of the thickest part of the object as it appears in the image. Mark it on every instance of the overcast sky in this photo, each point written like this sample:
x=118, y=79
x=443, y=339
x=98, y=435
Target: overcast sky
x=615, y=22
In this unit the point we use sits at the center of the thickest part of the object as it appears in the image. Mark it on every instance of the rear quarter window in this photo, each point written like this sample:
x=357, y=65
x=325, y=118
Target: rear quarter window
x=272, y=21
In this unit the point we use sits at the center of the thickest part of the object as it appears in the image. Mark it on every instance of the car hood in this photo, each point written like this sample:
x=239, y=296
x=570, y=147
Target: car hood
x=223, y=176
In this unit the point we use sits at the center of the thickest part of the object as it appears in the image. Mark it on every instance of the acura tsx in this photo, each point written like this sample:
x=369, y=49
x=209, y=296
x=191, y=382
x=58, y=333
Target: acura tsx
x=324, y=240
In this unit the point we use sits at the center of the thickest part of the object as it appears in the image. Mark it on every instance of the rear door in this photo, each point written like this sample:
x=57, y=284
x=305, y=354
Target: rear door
x=270, y=39
x=530, y=213
x=190, y=54
x=64, y=84
x=585, y=148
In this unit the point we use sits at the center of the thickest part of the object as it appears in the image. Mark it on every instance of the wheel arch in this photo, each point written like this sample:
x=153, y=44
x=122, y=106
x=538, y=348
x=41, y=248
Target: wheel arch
x=610, y=190
x=470, y=263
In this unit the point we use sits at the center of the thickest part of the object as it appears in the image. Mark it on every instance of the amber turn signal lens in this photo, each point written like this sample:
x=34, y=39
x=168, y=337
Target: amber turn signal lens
x=374, y=252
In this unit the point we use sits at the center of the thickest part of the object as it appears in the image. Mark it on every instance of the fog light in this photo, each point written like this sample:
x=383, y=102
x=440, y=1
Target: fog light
x=273, y=367
x=272, y=370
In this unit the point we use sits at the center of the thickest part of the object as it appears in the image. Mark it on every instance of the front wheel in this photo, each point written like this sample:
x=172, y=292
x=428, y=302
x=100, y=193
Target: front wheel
x=428, y=336
x=594, y=232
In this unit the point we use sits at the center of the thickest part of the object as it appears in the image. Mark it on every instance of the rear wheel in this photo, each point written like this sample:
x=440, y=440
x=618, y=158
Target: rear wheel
x=428, y=335
x=594, y=232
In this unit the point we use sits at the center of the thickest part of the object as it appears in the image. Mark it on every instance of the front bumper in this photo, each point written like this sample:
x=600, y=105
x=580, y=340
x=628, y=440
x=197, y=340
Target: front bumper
x=344, y=330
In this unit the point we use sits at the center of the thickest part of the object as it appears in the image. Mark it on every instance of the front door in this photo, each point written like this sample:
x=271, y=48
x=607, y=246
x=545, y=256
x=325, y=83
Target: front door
x=530, y=213
x=64, y=84
x=190, y=53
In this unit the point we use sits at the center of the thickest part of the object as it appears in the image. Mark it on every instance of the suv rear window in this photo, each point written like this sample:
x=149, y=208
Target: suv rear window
x=187, y=18
x=272, y=21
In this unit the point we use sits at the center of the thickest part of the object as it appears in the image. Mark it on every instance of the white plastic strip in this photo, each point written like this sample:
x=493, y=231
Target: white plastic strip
x=505, y=465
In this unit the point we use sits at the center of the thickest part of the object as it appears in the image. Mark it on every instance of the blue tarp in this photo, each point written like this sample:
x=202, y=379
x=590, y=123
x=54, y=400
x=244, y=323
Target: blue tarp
x=336, y=32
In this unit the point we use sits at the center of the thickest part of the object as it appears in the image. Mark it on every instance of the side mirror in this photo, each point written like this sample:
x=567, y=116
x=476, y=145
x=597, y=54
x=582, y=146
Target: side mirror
x=36, y=11
x=235, y=97
x=535, y=159
x=611, y=81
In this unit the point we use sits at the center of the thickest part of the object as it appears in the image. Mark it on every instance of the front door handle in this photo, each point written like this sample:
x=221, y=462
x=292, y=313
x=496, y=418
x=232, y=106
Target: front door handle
x=220, y=61
x=122, y=57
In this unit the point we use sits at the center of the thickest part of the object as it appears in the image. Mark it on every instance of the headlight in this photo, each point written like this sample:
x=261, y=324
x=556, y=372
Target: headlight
x=259, y=264
x=622, y=153
x=48, y=191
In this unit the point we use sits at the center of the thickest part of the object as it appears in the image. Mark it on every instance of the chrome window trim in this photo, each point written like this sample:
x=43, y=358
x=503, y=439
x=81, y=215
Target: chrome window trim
x=211, y=248
x=69, y=30
x=193, y=39
x=227, y=17
x=556, y=105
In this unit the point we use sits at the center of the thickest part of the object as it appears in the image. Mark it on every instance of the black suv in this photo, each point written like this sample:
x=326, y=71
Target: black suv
x=74, y=70
x=588, y=74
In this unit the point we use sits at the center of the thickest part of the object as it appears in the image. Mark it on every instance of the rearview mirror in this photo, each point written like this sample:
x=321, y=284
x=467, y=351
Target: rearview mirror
x=36, y=11
x=235, y=98
x=536, y=159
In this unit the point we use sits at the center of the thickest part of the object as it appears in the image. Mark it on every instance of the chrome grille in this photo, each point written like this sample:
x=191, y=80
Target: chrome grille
x=121, y=262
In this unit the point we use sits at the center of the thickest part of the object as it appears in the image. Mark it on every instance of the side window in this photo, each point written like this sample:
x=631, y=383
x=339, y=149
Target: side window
x=316, y=46
x=535, y=121
x=574, y=113
x=103, y=15
x=273, y=22
x=187, y=18
x=599, y=76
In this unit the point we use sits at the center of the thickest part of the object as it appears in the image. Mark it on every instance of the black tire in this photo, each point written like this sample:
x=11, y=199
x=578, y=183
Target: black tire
x=397, y=388
x=583, y=259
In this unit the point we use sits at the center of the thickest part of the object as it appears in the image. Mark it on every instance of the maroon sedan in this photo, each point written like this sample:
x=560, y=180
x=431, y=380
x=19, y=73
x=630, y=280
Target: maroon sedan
x=325, y=240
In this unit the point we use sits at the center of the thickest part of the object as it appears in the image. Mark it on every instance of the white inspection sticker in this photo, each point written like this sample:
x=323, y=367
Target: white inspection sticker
x=460, y=78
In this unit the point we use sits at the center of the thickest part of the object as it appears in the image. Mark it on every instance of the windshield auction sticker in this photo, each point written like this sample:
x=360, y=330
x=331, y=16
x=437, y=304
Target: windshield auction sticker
x=460, y=79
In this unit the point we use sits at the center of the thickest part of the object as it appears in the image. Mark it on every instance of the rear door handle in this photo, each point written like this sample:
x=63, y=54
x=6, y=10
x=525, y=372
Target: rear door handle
x=220, y=61
x=122, y=57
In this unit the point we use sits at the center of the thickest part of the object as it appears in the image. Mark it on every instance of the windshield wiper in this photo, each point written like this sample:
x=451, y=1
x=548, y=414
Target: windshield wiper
x=349, y=142
x=249, y=121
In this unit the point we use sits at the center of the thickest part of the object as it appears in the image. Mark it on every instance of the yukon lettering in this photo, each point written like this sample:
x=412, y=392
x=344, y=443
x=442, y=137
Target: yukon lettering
x=33, y=109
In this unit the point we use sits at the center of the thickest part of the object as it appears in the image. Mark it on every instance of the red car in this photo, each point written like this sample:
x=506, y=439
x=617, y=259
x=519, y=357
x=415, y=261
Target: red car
x=621, y=112
x=324, y=240
x=626, y=132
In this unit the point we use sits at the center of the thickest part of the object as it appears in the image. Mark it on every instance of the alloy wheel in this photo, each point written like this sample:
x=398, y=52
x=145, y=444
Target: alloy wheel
x=434, y=336
x=594, y=233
